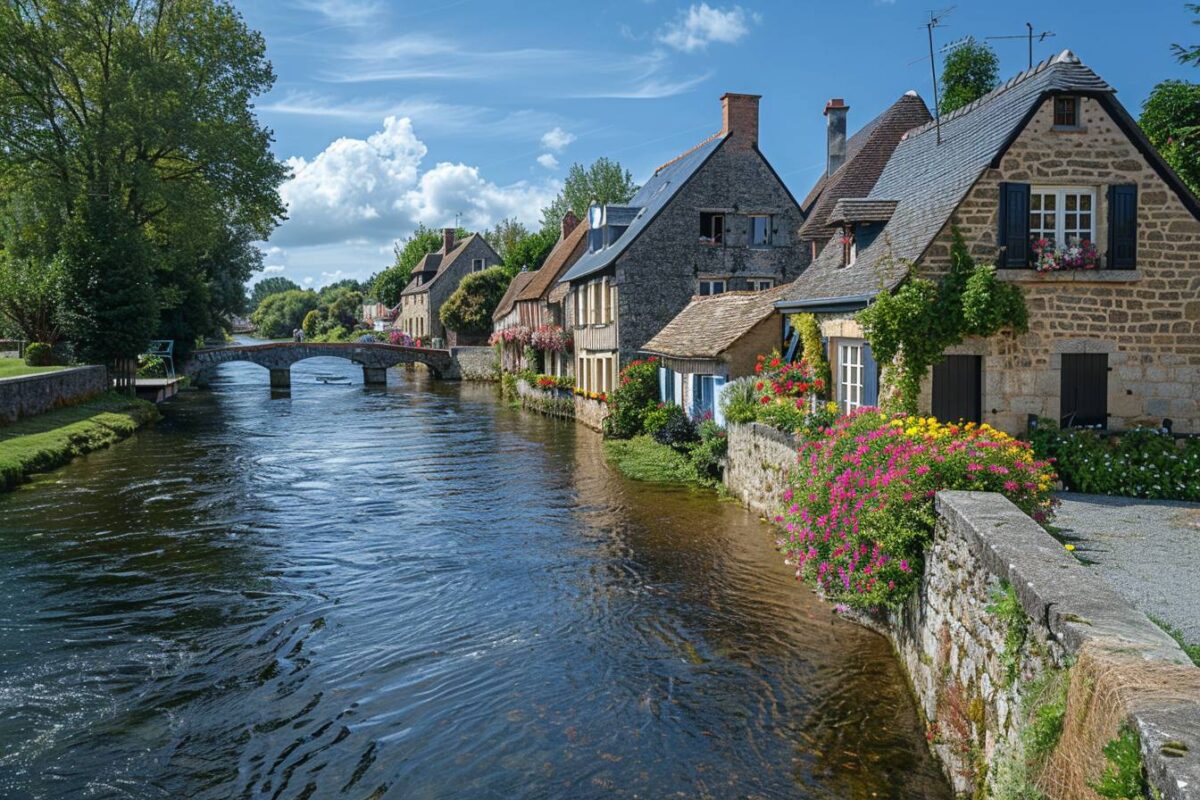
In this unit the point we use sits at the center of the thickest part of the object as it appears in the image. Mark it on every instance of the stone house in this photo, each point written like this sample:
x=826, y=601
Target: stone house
x=434, y=279
x=506, y=317
x=1050, y=155
x=716, y=218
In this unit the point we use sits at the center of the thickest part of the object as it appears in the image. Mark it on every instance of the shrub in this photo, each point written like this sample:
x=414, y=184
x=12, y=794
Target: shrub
x=814, y=351
x=311, y=324
x=677, y=430
x=636, y=393
x=658, y=416
x=738, y=401
x=151, y=367
x=784, y=392
x=860, y=501
x=551, y=382
x=708, y=453
x=39, y=354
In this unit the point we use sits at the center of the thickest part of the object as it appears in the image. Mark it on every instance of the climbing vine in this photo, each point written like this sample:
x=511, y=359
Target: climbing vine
x=909, y=329
x=814, y=351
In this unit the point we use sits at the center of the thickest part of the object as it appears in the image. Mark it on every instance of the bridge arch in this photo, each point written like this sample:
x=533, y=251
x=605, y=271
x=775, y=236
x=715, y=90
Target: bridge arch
x=278, y=357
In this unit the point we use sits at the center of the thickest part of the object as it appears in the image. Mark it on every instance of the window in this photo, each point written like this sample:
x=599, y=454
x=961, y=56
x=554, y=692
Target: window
x=712, y=227
x=957, y=389
x=477, y=265
x=760, y=284
x=850, y=376
x=760, y=230
x=702, y=396
x=612, y=302
x=1064, y=216
x=666, y=385
x=1066, y=112
x=712, y=287
x=1084, y=390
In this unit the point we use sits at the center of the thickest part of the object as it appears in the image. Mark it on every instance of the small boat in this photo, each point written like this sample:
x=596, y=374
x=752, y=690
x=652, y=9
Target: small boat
x=332, y=379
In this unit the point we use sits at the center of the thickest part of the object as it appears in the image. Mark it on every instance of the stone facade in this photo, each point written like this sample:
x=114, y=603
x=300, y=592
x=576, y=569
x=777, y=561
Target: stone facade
x=420, y=306
x=756, y=465
x=27, y=395
x=474, y=363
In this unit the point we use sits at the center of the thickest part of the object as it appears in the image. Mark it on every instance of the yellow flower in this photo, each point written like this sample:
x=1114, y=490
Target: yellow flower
x=1069, y=547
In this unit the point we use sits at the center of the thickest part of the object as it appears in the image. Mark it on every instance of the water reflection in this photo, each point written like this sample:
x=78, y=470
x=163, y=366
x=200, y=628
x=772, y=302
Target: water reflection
x=416, y=592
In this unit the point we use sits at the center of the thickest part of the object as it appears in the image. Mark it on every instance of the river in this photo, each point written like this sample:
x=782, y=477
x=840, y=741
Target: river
x=417, y=592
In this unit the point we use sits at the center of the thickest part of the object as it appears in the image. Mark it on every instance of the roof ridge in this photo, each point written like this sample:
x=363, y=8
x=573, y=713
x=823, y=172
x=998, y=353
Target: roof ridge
x=687, y=152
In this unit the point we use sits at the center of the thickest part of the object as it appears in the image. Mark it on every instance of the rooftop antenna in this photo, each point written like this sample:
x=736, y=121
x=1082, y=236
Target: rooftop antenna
x=457, y=220
x=1029, y=34
x=935, y=20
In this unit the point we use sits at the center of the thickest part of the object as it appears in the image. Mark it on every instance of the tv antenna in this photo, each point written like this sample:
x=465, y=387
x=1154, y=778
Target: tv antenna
x=935, y=21
x=1029, y=34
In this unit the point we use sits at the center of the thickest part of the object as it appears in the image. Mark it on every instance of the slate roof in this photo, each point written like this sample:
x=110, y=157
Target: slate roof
x=709, y=325
x=565, y=253
x=437, y=263
x=861, y=210
x=509, y=298
x=928, y=180
x=650, y=199
x=867, y=153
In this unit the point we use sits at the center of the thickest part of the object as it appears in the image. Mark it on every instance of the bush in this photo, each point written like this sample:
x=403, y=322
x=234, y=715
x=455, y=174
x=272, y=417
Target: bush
x=739, y=401
x=814, y=350
x=784, y=392
x=39, y=354
x=655, y=418
x=860, y=505
x=785, y=416
x=678, y=430
x=636, y=393
x=311, y=324
x=1139, y=463
x=709, y=453
x=151, y=367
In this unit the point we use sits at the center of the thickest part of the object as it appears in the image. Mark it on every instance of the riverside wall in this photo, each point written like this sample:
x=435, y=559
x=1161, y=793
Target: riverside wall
x=27, y=395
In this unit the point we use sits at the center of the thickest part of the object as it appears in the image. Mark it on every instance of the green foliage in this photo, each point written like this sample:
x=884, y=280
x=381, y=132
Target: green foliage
x=311, y=324
x=814, y=351
x=470, y=307
x=505, y=236
x=1192, y=650
x=31, y=294
x=739, y=401
x=1046, y=716
x=269, y=286
x=605, y=181
x=280, y=314
x=909, y=329
x=708, y=454
x=387, y=285
x=1171, y=120
x=970, y=71
x=39, y=354
x=1007, y=607
x=1189, y=54
x=677, y=430
x=643, y=459
x=530, y=252
x=1137, y=463
x=336, y=317
x=330, y=292
x=151, y=367
x=1124, y=776
x=15, y=367
x=783, y=416
x=656, y=418
x=635, y=395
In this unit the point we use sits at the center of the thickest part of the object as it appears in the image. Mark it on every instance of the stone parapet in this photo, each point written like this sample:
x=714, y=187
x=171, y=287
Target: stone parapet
x=27, y=395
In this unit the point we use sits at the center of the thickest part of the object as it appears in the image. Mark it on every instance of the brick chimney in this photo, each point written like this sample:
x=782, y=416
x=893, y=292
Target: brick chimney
x=739, y=117
x=569, y=221
x=447, y=239
x=835, y=113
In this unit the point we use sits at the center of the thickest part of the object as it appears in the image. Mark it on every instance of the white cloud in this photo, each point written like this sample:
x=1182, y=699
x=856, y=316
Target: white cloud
x=273, y=268
x=701, y=25
x=556, y=139
x=307, y=281
x=345, y=12
x=548, y=161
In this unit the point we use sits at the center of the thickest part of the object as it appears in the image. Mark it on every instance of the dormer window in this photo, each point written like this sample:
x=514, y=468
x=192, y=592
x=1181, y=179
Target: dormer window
x=849, y=246
x=1066, y=111
x=712, y=227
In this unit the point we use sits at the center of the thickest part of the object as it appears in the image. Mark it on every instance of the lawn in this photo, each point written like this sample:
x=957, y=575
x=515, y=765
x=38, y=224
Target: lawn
x=644, y=459
x=14, y=367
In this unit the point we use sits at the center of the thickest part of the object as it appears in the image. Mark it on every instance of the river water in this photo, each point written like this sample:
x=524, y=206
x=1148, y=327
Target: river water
x=417, y=593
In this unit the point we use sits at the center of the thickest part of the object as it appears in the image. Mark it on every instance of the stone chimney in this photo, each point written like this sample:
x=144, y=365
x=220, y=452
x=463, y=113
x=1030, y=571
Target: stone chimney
x=739, y=117
x=447, y=239
x=569, y=221
x=835, y=113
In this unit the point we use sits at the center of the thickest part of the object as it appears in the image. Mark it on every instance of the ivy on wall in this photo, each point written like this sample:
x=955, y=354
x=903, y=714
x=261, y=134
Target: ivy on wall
x=909, y=329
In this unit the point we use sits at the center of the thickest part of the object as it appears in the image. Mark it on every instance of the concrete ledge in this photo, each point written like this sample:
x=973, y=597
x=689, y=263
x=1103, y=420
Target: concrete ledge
x=1069, y=276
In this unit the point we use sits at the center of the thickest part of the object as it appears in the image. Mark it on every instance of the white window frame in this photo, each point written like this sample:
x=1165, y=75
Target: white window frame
x=761, y=284
x=750, y=238
x=478, y=264
x=712, y=284
x=715, y=234
x=1060, y=195
x=851, y=376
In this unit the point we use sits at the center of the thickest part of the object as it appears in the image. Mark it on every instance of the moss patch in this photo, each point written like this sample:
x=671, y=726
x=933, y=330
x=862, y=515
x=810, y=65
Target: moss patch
x=49, y=440
x=1192, y=649
x=644, y=459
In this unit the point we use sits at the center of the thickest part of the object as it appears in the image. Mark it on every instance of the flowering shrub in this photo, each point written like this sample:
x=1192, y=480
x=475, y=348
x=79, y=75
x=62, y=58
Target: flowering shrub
x=1138, y=463
x=518, y=334
x=551, y=339
x=859, y=507
x=635, y=395
x=784, y=392
x=401, y=338
x=600, y=396
x=551, y=382
x=1081, y=255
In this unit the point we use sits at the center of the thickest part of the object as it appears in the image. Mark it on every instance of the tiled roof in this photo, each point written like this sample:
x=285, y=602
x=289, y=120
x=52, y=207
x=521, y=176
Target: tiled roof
x=650, y=199
x=709, y=325
x=867, y=153
x=565, y=253
x=861, y=210
x=928, y=180
x=509, y=299
x=439, y=263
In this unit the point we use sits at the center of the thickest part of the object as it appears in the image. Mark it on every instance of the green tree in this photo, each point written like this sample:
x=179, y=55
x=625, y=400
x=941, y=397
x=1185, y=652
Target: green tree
x=506, y=236
x=1189, y=54
x=280, y=314
x=109, y=305
x=311, y=324
x=269, y=286
x=1171, y=120
x=605, y=181
x=970, y=71
x=469, y=309
x=530, y=253
x=387, y=284
x=31, y=296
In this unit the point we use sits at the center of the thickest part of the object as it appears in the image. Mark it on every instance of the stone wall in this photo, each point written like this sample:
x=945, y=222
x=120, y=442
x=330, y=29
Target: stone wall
x=590, y=413
x=559, y=404
x=28, y=395
x=756, y=465
x=475, y=363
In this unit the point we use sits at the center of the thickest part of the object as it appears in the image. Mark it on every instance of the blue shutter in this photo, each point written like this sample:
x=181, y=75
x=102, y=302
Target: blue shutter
x=662, y=385
x=1013, y=233
x=718, y=414
x=870, y=377
x=1122, y=226
x=793, y=344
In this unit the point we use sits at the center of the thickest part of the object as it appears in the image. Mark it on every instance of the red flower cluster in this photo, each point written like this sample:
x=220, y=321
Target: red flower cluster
x=780, y=381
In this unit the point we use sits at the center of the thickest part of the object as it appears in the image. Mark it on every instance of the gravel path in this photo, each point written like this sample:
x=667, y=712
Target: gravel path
x=1148, y=550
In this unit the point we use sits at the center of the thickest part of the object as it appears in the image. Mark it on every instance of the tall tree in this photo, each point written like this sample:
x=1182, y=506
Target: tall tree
x=1171, y=120
x=470, y=307
x=31, y=296
x=970, y=71
x=1189, y=54
x=387, y=284
x=605, y=181
x=269, y=286
x=530, y=252
x=505, y=236
x=280, y=314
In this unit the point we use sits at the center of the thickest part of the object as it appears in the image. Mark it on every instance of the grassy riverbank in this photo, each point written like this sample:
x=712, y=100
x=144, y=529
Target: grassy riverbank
x=16, y=367
x=49, y=440
x=644, y=459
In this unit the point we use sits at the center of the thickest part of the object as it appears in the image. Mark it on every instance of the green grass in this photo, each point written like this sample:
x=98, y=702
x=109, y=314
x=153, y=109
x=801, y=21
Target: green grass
x=644, y=459
x=1192, y=650
x=49, y=440
x=15, y=367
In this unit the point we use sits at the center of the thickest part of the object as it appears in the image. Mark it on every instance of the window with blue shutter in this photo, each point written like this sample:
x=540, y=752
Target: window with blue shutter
x=702, y=396
x=1013, y=234
x=664, y=381
x=718, y=387
x=870, y=395
x=1122, y=226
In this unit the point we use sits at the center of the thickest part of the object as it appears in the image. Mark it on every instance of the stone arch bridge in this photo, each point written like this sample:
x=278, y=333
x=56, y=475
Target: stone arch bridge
x=278, y=357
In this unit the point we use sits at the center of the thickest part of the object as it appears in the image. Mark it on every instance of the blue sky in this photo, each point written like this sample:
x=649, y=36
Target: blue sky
x=394, y=112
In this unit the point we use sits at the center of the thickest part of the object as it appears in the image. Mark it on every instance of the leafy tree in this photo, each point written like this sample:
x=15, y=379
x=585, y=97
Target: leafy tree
x=530, y=253
x=469, y=309
x=506, y=236
x=280, y=314
x=605, y=181
x=269, y=286
x=387, y=285
x=1171, y=120
x=30, y=297
x=311, y=324
x=109, y=305
x=969, y=72
x=1189, y=54
x=337, y=288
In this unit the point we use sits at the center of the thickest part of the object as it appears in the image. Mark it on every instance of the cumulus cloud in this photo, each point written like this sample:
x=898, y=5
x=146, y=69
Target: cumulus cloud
x=272, y=269
x=548, y=161
x=700, y=25
x=556, y=139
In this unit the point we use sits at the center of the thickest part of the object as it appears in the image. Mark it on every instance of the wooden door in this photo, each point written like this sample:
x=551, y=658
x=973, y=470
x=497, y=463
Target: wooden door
x=1084, y=390
x=958, y=389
